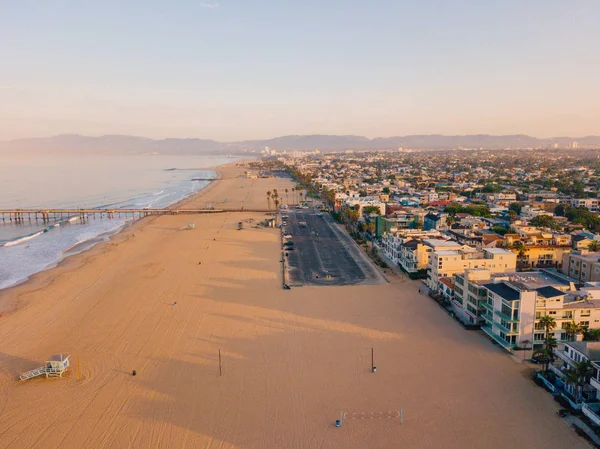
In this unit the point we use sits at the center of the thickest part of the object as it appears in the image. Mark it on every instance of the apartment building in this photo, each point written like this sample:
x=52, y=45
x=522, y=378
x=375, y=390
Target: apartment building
x=509, y=306
x=590, y=203
x=582, y=265
x=449, y=260
x=392, y=242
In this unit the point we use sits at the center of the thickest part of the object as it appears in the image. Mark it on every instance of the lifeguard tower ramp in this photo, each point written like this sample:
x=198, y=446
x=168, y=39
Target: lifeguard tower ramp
x=55, y=366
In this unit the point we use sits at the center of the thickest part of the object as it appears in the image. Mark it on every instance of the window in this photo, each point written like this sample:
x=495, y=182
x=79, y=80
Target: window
x=585, y=312
x=538, y=315
x=552, y=312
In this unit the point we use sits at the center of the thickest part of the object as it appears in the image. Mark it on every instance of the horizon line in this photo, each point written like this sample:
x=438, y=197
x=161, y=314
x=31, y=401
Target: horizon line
x=294, y=135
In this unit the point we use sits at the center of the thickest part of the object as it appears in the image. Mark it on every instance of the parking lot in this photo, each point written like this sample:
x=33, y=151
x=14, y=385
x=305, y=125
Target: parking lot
x=322, y=256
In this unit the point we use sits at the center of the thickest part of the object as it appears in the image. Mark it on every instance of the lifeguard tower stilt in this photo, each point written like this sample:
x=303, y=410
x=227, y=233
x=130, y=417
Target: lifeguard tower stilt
x=55, y=366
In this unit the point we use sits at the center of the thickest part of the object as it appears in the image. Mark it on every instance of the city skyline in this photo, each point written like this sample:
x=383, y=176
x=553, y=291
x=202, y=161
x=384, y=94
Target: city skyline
x=234, y=70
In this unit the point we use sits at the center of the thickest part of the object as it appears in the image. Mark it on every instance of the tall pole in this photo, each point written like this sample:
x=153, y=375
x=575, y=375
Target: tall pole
x=79, y=368
x=220, y=369
x=372, y=360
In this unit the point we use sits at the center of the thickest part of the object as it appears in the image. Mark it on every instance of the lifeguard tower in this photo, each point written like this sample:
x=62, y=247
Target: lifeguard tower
x=55, y=366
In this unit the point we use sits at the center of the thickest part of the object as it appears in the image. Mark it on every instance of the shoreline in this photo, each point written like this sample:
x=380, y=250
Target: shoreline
x=10, y=297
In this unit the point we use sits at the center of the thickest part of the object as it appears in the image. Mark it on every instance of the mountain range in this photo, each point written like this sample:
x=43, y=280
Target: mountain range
x=122, y=144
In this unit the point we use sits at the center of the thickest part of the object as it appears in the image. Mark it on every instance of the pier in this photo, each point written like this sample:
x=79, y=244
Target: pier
x=48, y=215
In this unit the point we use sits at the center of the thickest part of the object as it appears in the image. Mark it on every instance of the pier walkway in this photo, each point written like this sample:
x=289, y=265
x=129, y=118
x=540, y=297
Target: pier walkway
x=46, y=215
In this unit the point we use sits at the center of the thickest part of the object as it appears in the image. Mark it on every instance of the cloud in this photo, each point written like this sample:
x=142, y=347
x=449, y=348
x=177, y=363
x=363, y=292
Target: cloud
x=212, y=5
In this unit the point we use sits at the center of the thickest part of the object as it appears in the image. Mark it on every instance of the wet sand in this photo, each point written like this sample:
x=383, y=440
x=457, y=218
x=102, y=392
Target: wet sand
x=291, y=360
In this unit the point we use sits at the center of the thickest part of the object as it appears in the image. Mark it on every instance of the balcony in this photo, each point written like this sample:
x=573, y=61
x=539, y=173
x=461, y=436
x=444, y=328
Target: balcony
x=488, y=317
x=595, y=383
x=486, y=305
x=500, y=340
x=505, y=317
x=506, y=330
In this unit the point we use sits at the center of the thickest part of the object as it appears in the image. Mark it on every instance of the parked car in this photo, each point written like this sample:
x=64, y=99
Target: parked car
x=287, y=236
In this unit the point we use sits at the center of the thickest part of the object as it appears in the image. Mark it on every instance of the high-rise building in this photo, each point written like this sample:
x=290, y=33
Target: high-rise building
x=574, y=145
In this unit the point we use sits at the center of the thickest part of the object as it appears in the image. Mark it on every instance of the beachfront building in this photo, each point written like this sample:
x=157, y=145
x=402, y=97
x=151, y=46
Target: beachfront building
x=450, y=258
x=413, y=258
x=392, y=241
x=584, y=396
x=509, y=306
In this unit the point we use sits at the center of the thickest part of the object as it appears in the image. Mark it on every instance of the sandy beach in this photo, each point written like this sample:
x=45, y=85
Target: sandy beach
x=291, y=360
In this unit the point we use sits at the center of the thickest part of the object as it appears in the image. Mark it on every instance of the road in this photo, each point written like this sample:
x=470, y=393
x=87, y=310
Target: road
x=324, y=255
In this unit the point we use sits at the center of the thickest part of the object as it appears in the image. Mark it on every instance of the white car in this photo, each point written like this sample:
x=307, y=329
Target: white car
x=284, y=223
x=287, y=236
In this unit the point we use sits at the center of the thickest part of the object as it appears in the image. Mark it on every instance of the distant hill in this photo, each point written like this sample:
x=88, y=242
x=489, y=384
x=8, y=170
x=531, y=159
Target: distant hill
x=116, y=144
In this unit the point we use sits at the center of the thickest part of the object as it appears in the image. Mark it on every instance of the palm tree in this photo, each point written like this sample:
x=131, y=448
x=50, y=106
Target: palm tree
x=579, y=377
x=269, y=198
x=449, y=221
x=293, y=197
x=543, y=356
x=591, y=335
x=572, y=329
x=300, y=196
x=512, y=215
x=287, y=199
x=594, y=245
x=549, y=324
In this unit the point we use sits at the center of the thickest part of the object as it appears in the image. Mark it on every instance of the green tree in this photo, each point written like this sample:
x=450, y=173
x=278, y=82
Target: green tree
x=572, y=329
x=385, y=190
x=368, y=210
x=594, y=245
x=591, y=334
x=515, y=207
x=579, y=377
x=269, y=198
x=543, y=221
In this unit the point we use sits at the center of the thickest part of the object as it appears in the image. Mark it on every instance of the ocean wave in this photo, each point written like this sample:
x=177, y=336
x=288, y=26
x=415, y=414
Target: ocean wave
x=25, y=238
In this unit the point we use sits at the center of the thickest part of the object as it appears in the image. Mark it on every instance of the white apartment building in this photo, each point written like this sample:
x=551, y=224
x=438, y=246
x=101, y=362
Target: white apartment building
x=590, y=203
x=391, y=241
x=366, y=201
x=509, y=306
x=528, y=212
x=448, y=262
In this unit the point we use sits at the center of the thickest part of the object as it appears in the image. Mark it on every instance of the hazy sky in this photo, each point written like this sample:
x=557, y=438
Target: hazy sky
x=243, y=69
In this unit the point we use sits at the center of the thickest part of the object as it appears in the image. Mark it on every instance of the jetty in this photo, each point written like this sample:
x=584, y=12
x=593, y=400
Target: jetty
x=47, y=215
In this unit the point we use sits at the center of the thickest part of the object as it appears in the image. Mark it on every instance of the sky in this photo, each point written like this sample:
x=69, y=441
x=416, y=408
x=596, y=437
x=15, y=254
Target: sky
x=250, y=69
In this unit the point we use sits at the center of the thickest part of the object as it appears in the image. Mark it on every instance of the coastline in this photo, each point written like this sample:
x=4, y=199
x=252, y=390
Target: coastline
x=10, y=297
x=170, y=304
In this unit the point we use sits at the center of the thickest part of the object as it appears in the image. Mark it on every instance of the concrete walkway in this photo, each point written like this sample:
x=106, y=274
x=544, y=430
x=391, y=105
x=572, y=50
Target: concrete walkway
x=578, y=422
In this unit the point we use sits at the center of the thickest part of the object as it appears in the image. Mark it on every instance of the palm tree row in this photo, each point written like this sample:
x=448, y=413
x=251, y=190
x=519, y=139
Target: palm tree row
x=273, y=196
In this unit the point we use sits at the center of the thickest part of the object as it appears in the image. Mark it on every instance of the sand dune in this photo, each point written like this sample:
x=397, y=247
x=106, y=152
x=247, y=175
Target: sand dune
x=291, y=359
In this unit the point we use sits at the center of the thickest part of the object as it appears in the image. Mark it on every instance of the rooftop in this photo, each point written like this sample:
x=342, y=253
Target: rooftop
x=549, y=292
x=591, y=349
x=503, y=290
x=498, y=251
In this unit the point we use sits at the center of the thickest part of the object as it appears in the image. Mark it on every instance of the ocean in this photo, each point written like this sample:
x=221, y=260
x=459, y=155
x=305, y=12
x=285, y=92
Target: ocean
x=145, y=181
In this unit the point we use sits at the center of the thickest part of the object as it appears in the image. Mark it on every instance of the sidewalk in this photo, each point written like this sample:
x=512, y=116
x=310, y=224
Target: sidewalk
x=578, y=422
